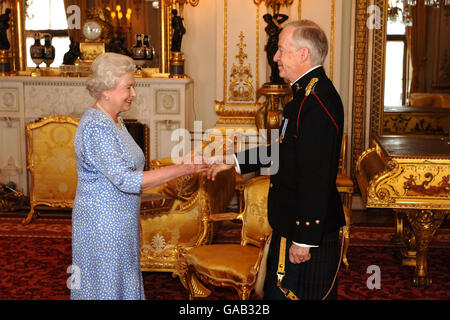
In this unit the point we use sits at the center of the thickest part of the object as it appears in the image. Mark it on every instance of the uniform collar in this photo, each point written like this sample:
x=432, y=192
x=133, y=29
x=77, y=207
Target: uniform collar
x=304, y=79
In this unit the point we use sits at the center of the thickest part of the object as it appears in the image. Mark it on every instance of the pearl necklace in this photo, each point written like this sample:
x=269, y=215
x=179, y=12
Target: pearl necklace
x=118, y=125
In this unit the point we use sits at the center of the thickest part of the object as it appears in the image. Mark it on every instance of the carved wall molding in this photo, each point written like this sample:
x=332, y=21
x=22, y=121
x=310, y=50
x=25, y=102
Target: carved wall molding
x=360, y=78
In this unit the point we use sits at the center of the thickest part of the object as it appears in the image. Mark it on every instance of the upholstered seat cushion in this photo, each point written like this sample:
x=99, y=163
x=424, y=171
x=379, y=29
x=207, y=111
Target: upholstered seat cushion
x=343, y=181
x=225, y=262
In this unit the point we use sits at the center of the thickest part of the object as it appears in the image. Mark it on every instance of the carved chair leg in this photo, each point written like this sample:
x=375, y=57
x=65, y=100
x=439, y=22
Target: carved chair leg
x=195, y=287
x=30, y=216
x=346, y=233
x=244, y=293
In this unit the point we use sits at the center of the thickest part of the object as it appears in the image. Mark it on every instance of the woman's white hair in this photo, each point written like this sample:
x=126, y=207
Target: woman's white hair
x=105, y=70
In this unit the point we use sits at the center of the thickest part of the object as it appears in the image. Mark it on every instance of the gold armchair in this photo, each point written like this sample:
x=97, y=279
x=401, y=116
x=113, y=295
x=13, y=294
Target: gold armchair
x=180, y=225
x=234, y=265
x=51, y=162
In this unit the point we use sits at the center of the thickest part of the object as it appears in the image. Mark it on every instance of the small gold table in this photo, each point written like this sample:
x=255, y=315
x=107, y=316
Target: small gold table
x=410, y=174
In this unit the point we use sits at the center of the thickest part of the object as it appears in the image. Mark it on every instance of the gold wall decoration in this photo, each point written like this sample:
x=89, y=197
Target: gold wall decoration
x=359, y=89
x=237, y=114
x=241, y=86
x=181, y=3
x=333, y=21
x=299, y=10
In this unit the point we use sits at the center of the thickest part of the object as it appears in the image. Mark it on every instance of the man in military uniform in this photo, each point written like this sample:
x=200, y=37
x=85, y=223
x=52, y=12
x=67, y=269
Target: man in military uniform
x=304, y=206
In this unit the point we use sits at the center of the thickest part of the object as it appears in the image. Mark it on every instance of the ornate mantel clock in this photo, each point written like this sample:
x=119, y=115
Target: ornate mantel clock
x=93, y=44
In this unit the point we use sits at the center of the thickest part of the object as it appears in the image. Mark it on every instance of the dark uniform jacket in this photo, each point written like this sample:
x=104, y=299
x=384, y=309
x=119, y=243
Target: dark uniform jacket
x=303, y=201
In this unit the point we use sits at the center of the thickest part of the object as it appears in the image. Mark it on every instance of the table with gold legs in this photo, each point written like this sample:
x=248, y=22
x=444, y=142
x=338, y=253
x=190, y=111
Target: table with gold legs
x=410, y=175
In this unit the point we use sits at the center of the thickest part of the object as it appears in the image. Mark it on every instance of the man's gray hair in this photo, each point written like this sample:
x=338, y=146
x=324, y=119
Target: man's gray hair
x=105, y=70
x=308, y=34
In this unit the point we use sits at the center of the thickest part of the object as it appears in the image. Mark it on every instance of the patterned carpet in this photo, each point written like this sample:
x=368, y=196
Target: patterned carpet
x=34, y=260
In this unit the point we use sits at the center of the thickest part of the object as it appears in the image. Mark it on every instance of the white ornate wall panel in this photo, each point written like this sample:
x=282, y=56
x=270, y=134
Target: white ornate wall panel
x=9, y=99
x=12, y=157
x=163, y=130
x=163, y=104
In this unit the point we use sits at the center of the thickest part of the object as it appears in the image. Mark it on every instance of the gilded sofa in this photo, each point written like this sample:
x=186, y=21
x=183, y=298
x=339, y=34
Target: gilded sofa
x=180, y=225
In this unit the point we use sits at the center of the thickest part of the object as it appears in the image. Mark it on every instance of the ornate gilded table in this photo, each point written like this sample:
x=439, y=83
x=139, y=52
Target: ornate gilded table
x=410, y=174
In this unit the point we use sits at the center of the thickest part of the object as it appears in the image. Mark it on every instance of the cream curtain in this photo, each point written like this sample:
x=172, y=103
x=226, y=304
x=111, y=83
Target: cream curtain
x=417, y=47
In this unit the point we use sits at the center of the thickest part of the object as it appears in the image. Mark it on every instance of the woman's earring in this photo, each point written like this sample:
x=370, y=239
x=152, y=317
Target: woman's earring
x=106, y=98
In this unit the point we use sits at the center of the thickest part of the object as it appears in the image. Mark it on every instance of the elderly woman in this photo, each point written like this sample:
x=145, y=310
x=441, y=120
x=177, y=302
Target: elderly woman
x=105, y=218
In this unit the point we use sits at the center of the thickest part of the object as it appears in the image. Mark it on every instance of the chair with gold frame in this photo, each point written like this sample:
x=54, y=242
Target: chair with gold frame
x=345, y=188
x=235, y=264
x=51, y=163
x=176, y=221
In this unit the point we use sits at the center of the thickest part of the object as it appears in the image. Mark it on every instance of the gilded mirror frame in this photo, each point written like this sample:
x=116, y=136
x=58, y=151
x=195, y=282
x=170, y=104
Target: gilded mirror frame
x=369, y=72
x=18, y=39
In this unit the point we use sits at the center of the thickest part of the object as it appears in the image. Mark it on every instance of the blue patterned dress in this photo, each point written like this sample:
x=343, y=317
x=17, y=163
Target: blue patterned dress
x=105, y=217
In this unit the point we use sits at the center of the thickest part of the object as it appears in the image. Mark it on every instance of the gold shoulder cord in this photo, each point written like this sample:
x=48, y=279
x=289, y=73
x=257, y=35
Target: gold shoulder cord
x=280, y=273
x=310, y=86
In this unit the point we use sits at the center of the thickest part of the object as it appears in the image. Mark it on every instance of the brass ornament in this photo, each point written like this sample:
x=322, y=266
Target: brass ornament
x=268, y=115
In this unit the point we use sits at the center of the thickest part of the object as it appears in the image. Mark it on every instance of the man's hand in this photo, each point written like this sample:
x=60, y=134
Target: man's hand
x=298, y=254
x=218, y=164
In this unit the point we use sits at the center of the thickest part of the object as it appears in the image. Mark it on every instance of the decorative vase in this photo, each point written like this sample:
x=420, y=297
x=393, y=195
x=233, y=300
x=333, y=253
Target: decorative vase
x=37, y=53
x=138, y=55
x=49, y=51
x=149, y=50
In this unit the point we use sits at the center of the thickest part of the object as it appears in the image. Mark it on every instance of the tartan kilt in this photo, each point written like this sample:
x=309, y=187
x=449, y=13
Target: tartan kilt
x=309, y=280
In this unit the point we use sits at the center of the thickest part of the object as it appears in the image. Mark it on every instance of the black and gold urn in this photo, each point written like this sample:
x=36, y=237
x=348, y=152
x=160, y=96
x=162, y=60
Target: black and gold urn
x=149, y=50
x=49, y=50
x=138, y=55
x=37, y=53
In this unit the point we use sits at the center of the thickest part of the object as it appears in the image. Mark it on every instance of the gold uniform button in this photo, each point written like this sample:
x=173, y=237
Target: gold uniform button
x=297, y=223
x=307, y=223
x=317, y=221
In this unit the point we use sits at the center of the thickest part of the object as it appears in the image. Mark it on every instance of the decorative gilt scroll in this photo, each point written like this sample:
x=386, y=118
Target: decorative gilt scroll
x=241, y=86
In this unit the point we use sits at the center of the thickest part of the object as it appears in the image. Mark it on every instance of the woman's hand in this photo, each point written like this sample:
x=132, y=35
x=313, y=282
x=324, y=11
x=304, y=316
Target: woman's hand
x=195, y=163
